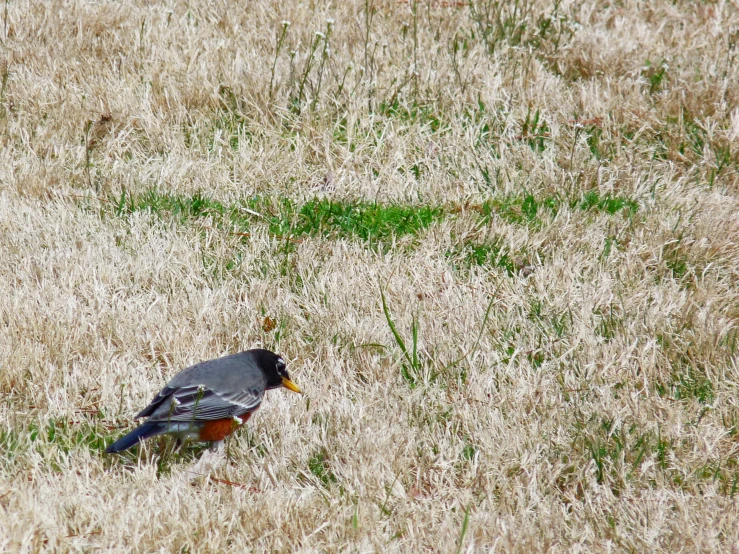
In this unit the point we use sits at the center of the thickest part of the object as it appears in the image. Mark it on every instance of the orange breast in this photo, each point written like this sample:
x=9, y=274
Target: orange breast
x=219, y=429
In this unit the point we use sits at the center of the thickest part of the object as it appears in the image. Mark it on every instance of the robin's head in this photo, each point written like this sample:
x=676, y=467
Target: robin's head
x=275, y=370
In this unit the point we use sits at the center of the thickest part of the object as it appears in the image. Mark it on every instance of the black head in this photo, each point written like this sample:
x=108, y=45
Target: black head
x=274, y=368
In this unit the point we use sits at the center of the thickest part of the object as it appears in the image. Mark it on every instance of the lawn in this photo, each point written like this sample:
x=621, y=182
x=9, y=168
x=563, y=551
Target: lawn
x=497, y=243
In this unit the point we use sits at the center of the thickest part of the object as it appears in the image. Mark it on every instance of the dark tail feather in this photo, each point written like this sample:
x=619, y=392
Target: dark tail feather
x=136, y=436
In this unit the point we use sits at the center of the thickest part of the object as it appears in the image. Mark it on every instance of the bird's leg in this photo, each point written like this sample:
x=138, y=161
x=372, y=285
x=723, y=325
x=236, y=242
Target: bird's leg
x=216, y=446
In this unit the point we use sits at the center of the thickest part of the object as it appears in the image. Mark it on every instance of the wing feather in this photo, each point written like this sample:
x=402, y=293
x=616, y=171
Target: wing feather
x=163, y=395
x=199, y=403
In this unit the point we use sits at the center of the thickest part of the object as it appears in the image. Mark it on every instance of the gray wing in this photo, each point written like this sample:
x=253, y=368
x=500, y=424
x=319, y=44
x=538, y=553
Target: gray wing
x=198, y=402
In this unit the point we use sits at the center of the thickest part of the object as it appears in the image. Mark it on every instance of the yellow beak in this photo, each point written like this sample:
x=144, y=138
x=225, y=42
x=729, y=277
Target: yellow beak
x=288, y=384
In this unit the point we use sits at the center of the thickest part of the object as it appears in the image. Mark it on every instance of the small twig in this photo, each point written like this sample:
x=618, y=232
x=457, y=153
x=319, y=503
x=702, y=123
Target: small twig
x=91, y=407
x=237, y=234
x=596, y=121
x=233, y=484
x=252, y=212
x=371, y=345
x=85, y=197
x=436, y=5
x=240, y=234
x=529, y=136
x=81, y=534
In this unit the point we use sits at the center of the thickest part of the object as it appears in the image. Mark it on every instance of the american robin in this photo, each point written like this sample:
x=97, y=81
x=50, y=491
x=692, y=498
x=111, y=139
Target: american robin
x=210, y=400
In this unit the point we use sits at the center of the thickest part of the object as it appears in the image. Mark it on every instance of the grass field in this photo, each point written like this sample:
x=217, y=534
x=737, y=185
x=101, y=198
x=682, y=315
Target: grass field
x=497, y=242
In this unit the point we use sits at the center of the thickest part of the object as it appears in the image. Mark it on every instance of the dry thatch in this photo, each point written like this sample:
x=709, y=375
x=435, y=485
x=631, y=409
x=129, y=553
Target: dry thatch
x=544, y=192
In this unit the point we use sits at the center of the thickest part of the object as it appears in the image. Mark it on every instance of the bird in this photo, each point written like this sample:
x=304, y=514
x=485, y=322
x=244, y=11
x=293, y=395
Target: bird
x=210, y=400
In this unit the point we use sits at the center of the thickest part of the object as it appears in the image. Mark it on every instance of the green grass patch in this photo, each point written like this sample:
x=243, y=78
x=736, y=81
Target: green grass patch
x=371, y=222
x=535, y=131
x=610, y=322
x=607, y=203
x=181, y=207
x=412, y=367
x=9, y=443
x=678, y=264
x=600, y=147
x=70, y=434
x=468, y=452
x=688, y=141
x=529, y=210
x=519, y=210
x=620, y=452
x=368, y=221
x=413, y=113
x=490, y=254
x=377, y=225
x=319, y=466
x=689, y=383
x=499, y=24
x=656, y=74
x=88, y=432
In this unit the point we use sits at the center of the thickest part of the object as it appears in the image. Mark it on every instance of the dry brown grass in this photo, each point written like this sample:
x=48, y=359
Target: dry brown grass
x=593, y=409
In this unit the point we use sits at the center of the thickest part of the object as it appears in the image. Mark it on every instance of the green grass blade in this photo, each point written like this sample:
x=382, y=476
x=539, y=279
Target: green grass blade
x=393, y=329
x=463, y=532
x=414, y=331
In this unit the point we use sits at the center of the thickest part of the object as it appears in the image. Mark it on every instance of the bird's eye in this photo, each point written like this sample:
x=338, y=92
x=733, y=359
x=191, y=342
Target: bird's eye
x=280, y=366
